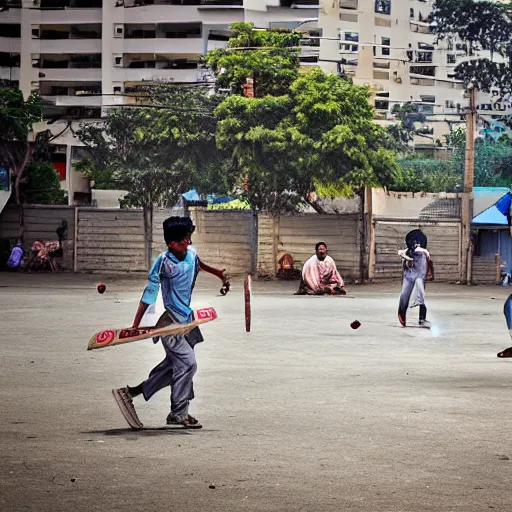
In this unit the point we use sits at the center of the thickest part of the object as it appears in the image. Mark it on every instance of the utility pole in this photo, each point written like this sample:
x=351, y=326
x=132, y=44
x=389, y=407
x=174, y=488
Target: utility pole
x=467, y=195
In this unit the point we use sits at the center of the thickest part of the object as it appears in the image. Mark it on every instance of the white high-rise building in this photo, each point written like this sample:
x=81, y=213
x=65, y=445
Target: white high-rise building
x=388, y=45
x=83, y=55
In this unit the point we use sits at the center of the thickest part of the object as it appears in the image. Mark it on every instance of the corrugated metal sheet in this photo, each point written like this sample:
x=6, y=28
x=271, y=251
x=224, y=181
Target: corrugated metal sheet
x=298, y=235
x=443, y=245
x=111, y=240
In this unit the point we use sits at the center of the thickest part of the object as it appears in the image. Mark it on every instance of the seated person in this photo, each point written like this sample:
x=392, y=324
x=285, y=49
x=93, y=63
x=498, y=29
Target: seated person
x=320, y=275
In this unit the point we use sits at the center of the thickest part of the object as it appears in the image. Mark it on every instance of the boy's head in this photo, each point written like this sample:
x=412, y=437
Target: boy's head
x=177, y=234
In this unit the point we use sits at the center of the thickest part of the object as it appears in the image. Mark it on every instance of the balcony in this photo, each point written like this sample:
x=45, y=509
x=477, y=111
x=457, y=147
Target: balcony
x=70, y=4
x=8, y=73
x=300, y=4
x=9, y=45
x=71, y=16
x=184, y=13
x=153, y=74
x=69, y=88
x=73, y=101
x=66, y=46
x=70, y=75
x=179, y=46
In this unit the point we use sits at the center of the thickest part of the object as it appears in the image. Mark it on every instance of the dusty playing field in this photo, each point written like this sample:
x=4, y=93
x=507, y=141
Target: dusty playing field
x=303, y=413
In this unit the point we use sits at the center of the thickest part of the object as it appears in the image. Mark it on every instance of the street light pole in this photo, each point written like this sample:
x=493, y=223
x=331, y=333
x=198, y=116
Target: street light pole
x=466, y=269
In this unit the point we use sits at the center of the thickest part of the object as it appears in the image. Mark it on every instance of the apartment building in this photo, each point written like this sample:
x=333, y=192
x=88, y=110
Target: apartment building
x=82, y=56
x=388, y=45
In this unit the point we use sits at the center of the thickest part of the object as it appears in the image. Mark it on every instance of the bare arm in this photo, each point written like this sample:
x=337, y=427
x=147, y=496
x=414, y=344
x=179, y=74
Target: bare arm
x=221, y=274
x=140, y=313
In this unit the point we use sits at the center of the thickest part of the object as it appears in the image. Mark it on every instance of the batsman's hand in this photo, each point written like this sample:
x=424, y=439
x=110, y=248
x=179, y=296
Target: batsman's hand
x=226, y=284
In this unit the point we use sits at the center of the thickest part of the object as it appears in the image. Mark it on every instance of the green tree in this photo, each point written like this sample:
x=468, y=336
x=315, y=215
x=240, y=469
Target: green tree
x=485, y=24
x=270, y=57
x=427, y=175
x=321, y=134
x=29, y=161
x=43, y=185
x=158, y=151
x=16, y=119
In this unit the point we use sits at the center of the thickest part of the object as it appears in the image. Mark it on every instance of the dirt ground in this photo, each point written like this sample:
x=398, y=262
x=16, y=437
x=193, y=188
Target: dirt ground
x=302, y=414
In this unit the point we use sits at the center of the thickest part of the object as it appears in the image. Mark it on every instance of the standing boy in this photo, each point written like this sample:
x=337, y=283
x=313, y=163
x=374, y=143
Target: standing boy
x=416, y=264
x=175, y=271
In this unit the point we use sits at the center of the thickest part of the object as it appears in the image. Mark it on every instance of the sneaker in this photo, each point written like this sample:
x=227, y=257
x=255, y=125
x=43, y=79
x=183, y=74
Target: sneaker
x=125, y=402
x=187, y=422
x=424, y=323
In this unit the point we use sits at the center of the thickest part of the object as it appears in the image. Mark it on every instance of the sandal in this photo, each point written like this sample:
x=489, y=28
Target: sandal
x=505, y=353
x=188, y=422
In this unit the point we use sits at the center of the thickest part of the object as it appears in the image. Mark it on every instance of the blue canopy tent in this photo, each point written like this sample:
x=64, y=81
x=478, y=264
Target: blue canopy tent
x=493, y=229
x=496, y=215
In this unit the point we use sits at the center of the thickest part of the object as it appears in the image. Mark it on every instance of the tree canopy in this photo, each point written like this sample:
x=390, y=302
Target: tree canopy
x=321, y=132
x=29, y=162
x=156, y=152
x=270, y=57
x=483, y=24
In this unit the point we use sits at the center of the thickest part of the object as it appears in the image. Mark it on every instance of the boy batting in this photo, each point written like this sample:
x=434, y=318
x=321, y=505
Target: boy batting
x=175, y=272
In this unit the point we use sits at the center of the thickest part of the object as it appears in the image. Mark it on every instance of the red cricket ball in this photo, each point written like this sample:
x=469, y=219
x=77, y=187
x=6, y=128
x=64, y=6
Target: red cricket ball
x=101, y=288
x=355, y=324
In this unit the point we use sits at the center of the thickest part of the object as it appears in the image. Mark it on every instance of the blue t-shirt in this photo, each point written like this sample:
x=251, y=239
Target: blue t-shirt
x=177, y=279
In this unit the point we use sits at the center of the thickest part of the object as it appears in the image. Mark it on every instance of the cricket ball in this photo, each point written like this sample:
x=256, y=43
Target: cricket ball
x=355, y=324
x=101, y=288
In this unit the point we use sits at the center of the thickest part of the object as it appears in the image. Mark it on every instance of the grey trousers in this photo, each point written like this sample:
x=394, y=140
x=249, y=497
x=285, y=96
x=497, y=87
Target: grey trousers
x=408, y=285
x=176, y=370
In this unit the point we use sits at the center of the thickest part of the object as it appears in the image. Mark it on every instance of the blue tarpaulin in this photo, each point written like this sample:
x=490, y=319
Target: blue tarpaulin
x=191, y=195
x=496, y=215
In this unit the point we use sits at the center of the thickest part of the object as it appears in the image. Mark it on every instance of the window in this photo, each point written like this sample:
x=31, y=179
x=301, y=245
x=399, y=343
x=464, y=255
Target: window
x=423, y=56
x=35, y=33
x=118, y=60
x=117, y=90
x=425, y=109
x=381, y=104
x=11, y=30
x=423, y=70
x=348, y=4
x=383, y=6
x=118, y=30
x=450, y=58
x=386, y=43
x=411, y=13
x=350, y=36
x=449, y=44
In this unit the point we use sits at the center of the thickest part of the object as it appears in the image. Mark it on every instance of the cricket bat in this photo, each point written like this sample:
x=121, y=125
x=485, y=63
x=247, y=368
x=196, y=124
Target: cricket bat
x=111, y=337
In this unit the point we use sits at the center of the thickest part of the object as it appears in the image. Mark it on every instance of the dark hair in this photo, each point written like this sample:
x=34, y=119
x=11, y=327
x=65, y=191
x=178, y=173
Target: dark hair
x=319, y=244
x=177, y=228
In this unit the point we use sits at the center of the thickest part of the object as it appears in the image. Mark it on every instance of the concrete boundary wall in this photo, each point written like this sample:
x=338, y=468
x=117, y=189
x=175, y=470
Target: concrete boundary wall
x=122, y=240
x=226, y=239
x=111, y=240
